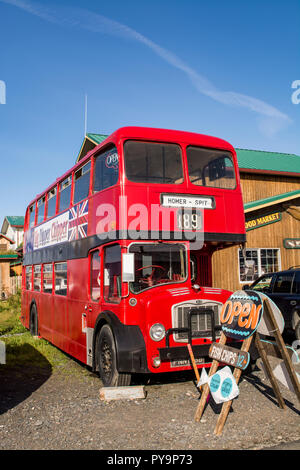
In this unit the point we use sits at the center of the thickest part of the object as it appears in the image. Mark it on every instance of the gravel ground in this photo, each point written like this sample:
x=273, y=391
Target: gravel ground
x=51, y=409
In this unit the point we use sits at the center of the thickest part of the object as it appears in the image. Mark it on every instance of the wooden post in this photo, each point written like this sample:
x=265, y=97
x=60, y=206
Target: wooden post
x=284, y=353
x=205, y=390
x=193, y=362
x=269, y=371
x=226, y=406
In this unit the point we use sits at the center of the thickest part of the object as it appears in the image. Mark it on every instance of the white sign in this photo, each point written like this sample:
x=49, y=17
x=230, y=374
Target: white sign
x=54, y=231
x=222, y=385
x=178, y=200
x=265, y=327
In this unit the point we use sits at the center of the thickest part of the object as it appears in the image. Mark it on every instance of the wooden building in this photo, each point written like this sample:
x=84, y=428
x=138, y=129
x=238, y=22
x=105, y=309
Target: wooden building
x=13, y=228
x=7, y=255
x=271, y=192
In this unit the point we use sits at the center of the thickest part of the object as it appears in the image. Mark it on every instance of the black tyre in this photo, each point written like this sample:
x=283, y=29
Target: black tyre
x=33, y=324
x=108, y=360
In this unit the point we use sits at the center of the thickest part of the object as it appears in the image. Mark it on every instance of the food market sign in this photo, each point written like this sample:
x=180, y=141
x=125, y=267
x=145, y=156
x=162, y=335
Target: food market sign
x=241, y=314
x=261, y=221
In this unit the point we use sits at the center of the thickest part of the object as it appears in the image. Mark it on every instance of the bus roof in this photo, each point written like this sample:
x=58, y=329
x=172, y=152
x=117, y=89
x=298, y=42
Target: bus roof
x=147, y=133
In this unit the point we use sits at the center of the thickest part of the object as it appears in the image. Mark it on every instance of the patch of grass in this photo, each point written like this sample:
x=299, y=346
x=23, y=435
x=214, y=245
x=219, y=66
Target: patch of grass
x=30, y=354
x=27, y=350
x=10, y=311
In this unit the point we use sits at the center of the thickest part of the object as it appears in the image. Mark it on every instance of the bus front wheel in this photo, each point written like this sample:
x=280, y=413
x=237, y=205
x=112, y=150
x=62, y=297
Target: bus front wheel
x=108, y=360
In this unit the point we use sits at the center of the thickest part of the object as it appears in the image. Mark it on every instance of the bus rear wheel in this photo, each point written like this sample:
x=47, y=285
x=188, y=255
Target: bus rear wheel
x=108, y=360
x=33, y=326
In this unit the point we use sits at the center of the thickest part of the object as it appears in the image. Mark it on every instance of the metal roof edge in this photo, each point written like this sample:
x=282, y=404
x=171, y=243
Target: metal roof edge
x=261, y=203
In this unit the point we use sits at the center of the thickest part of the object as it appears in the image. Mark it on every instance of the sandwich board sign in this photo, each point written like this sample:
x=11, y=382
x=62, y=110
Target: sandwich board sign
x=240, y=319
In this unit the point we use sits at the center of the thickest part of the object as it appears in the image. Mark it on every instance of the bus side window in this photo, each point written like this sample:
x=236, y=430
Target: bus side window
x=61, y=278
x=95, y=276
x=112, y=274
x=37, y=277
x=31, y=215
x=47, y=278
x=41, y=209
x=106, y=170
x=65, y=194
x=29, y=277
x=51, y=203
x=82, y=183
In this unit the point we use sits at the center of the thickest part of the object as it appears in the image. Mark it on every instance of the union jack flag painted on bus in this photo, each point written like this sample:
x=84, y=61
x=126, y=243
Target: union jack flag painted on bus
x=78, y=221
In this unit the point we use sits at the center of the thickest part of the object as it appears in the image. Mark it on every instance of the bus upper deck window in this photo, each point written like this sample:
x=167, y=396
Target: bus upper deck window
x=210, y=167
x=31, y=215
x=41, y=209
x=65, y=194
x=106, y=169
x=82, y=183
x=51, y=204
x=150, y=162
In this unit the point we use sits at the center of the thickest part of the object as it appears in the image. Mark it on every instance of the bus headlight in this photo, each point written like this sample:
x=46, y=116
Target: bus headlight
x=157, y=332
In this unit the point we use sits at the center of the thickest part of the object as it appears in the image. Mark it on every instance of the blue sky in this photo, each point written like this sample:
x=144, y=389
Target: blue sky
x=218, y=68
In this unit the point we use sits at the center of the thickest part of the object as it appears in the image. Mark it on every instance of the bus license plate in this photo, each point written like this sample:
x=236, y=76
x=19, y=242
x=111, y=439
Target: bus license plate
x=186, y=362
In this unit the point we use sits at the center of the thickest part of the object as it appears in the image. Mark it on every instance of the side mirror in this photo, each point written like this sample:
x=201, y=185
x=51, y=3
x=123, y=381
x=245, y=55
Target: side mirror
x=128, y=267
x=246, y=287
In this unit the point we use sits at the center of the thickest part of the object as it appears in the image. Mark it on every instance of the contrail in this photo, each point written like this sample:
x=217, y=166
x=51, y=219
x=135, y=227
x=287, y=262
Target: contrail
x=273, y=119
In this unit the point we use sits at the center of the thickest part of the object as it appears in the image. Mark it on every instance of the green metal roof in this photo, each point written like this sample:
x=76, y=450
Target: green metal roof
x=9, y=256
x=271, y=200
x=97, y=138
x=268, y=161
x=15, y=220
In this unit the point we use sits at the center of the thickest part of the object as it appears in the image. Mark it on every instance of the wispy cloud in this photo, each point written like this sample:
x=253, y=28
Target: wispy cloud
x=270, y=118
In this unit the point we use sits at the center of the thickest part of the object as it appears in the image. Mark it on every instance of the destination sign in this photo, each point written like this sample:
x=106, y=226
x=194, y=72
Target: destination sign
x=181, y=200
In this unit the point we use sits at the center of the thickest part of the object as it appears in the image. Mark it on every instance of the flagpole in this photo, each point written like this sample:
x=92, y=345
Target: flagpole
x=85, y=115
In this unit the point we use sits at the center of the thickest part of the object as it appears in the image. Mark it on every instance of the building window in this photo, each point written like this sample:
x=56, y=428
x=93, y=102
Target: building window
x=60, y=271
x=37, y=276
x=28, y=277
x=82, y=183
x=95, y=276
x=47, y=279
x=258, y=261
x=112, y=274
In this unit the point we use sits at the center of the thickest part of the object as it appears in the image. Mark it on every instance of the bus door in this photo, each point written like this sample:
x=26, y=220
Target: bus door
x=111, y=278
x=59, y=313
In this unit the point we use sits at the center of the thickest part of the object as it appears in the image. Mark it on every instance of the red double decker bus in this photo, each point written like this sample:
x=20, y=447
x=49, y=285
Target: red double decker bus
x=117, y=252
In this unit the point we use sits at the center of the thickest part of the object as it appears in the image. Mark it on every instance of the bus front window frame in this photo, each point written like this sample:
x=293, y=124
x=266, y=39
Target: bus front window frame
x=170, y=281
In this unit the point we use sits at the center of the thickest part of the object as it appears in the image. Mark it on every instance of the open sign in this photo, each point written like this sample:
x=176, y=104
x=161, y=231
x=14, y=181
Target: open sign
x=241, y=314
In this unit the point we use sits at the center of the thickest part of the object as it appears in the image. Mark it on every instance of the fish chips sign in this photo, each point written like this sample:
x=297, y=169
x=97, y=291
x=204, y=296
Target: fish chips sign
x=241, y=314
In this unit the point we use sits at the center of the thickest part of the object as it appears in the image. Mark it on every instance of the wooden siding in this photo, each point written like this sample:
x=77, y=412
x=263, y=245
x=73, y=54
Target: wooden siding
x=225, y=263
x=258, y=186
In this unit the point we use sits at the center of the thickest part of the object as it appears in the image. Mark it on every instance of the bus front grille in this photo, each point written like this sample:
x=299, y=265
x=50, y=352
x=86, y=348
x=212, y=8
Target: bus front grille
x=201, y=324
